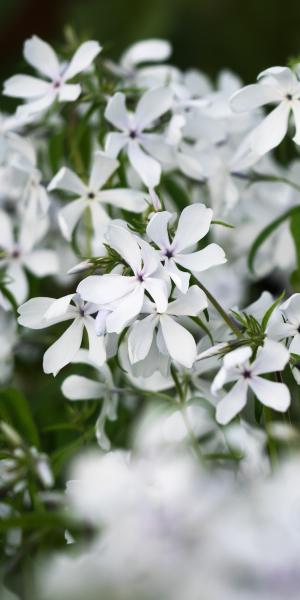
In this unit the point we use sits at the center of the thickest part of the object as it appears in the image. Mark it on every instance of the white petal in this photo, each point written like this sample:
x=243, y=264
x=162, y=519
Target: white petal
x=237, y=357
x=76, y=387
x=273, y=356
x=114, y=143
x=232, y=403
x=103, y=289
x=283, y=77
x=68, y=181
x=179, y=342
x=126, y=245
x=210, y=256
x=17, y=282
x=270, y=393
x=58, y=308
x=291, y=308
x=6, y=231
x=153, y=50
x=295, y=345
x=82, y=59
x=180, y=278
x=152, y=105
x=30, y=108
x=25, y=86
x=97, y=353
x=253, y=96
x=116, y=112
x=100, y=220
x=132, y=200
x=272, y=130
x=69, y=92
x=32, y=313
x=128, y=308
x=151, y=259
x=140, y=338
x=157, y=289
x=296, y=113
x=102, y=169
x=69, y=216
x=157, y=229
x=64, y=349
x=42, y=262
x=193, y=225
x=147, y=167
x=42, y=57
x=190, y=304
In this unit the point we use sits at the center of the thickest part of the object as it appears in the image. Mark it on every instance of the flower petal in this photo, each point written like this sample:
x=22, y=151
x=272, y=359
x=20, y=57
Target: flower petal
x=210, y=256
x=64, y=349
x=102, y=169
x=128, y=308
x=69, y=216
x=157, y=288
x=42, y=57
x=76, y=387
x=69, y=92
x=25, y=86
x=132, y=200
x=180, y=278
x=254, y=96
x=97, y=352
x=272, y=129
x=114, y=143
x=190, y=304
x=140, y=338
x=68, y=181
x=152, y=105
x=147, y=167
x=179, y=342
x=273, y=356
x=42, y=262
x=153, y=50
x=193, y=225
x=82, y=59
x=232, y=403
x=103, y=289
x=116, y=112
x=271, y=393
x=157, y=229
x=121, y=240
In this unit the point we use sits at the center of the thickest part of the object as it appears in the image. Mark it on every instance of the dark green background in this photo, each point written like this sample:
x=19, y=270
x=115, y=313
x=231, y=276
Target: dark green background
x=245, y=35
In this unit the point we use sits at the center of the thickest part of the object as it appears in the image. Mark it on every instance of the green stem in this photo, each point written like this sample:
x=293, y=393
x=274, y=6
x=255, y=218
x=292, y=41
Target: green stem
x=228, y=320
x=271, y=444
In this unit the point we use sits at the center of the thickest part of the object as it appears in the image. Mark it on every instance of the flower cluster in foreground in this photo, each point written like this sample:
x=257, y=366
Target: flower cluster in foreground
x=149, y=251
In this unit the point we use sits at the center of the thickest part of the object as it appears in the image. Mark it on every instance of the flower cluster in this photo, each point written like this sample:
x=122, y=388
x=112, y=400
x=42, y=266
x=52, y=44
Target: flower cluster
x=147, y=221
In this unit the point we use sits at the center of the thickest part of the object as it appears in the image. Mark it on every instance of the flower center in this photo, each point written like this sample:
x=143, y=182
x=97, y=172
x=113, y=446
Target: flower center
x=56, y=83
x=140, y=277
x=168, y=253
x=289, y=97
x=133, y=134
x=246, y=374
x=91, y=195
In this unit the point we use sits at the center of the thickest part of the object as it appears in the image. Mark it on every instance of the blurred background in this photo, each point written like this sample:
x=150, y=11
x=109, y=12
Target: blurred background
x=246, y=36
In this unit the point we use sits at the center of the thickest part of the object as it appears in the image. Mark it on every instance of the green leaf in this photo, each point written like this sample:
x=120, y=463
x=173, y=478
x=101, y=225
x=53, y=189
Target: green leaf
x=15, y=410
x=266, y=232
x=223, y=223
x=177, y=193
x=270, y=310
x=295, y=231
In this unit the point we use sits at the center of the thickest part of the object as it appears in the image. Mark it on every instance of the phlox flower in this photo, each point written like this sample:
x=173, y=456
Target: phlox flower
x=285, y=323
x=146, y=51
x=172, y=338
x=193, y=225
x=277, y=85
x=91, y=196
x=124, y=295
x=271, y=357
x=133, y=131
x=18, y=254
x=39, y=93
x=38, y=313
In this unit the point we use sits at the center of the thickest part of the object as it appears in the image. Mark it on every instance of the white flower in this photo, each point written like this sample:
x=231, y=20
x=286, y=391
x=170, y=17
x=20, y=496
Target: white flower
x=19, y=254
x=237, y=367
x=38, y=313
x=124, y=295
x=134, y=133
x=172, y=338
x=40, y=93
x=145, y=51
x=286, y=323
x=277, y=85
x=91, y=196
x=193, y=225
